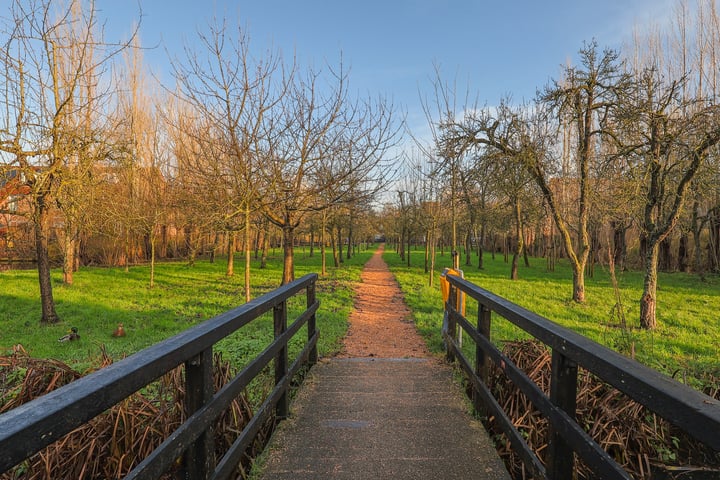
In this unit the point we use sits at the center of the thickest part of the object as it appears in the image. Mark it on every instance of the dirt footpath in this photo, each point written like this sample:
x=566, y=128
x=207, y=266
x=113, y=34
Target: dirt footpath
x=380, y=324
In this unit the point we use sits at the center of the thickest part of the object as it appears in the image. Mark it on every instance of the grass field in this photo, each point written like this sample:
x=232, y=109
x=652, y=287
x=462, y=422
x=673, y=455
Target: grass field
x=183, y=296
x=686, y=343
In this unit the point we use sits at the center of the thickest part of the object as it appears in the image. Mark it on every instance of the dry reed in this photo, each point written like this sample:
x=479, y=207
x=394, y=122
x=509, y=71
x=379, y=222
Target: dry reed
x=641, y=442
x=112, y=443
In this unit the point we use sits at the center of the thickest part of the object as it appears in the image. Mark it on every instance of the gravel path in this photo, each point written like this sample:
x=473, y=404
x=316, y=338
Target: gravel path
x=380, y=324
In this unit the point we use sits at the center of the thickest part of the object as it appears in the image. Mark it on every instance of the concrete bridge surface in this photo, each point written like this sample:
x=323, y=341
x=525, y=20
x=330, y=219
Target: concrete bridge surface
x=375, y=418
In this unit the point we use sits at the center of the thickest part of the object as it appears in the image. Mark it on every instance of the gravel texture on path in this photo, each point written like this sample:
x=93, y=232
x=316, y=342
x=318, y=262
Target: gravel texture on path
x=381, y=324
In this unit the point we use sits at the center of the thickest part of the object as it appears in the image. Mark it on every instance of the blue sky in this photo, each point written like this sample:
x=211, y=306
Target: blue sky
x=496, y=47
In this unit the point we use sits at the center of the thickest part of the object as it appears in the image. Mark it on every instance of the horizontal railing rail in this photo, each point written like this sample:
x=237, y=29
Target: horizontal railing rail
x=688, y=409
x=30, y=427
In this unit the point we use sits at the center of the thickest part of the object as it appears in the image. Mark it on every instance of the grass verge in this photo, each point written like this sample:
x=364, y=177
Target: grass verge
x=685, y=345
x=183, y=296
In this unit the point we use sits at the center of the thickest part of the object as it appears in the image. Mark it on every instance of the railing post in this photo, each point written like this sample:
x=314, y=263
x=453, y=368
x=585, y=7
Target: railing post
x=281, y=360
x=311, y=325
x=563, y=393
x=482, y=365
x=198, y=458
x=452, y=325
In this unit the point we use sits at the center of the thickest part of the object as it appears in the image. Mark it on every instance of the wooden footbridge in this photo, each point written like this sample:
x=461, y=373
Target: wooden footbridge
x=364, y=418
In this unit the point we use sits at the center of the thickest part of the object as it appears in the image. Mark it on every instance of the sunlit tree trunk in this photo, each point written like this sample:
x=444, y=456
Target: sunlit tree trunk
x=648, y=300
x=69, y=257
x=265, y=246
x=248, y=251
x=288, y=254
x=323, y=259
x=519, y=244
x=43, y=263
x=232, y=239
x=152, y=260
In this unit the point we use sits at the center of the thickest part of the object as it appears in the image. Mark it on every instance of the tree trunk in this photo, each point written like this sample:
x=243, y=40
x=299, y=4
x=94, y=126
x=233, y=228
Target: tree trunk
x=595, y=249
x=643, y=248
x=43, y=262
x=714, y=245
x=468, y=248
x=408, y=249
x=648, y=301
x=312, y=243
x=620, y=245
x=519, y=245
x=578, y=284
x=126, y=248
x=481, y=241
x=323, y=231
x=248, y=252
x=230, y=271
x=350, y=241
x=288, y=252
x=506, y=248
x=665, y=260
x=69, y=257
x=433, y=250
x=339, y=246
x=152, y=261
x=265, y=245
x=697, y=228
x=683, y=254
x=427, y=252
x=164, y=241
x=514, y=267
x=214, y=247
x=258, y=235
x=79, y=244
x=188, y=240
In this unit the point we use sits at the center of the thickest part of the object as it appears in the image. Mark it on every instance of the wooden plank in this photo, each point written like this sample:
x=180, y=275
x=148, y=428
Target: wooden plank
x=451, y=332
x=312, y=324
x=199, y=458
x=563, y=393
x=482, y=360
x=281, y=359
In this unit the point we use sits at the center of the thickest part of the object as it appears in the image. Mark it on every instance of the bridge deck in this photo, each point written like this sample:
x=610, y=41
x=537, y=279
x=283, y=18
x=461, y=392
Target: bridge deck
x=381, y=418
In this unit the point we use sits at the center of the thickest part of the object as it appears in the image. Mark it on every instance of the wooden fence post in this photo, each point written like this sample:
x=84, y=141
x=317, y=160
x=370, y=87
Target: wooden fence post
x=198, y=458
x=281, y=360
x=482, y=365
x=563, y=393
x=452, y=325
x=311, y=325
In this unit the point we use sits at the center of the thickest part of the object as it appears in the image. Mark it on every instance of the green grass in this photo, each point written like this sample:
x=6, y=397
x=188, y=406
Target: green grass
x=686, y=342
x=183, y=296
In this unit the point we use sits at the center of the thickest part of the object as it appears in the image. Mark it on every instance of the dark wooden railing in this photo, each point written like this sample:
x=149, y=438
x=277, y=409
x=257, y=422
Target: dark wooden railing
x=690, y=410
x=28, y=428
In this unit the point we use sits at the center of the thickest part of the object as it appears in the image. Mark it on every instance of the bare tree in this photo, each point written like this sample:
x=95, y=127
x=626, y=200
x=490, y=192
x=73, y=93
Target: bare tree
x=50, y=56
x=670, y=130
x=231, y=92
x=581, y=99
x=321, y=149
x=667, y=142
